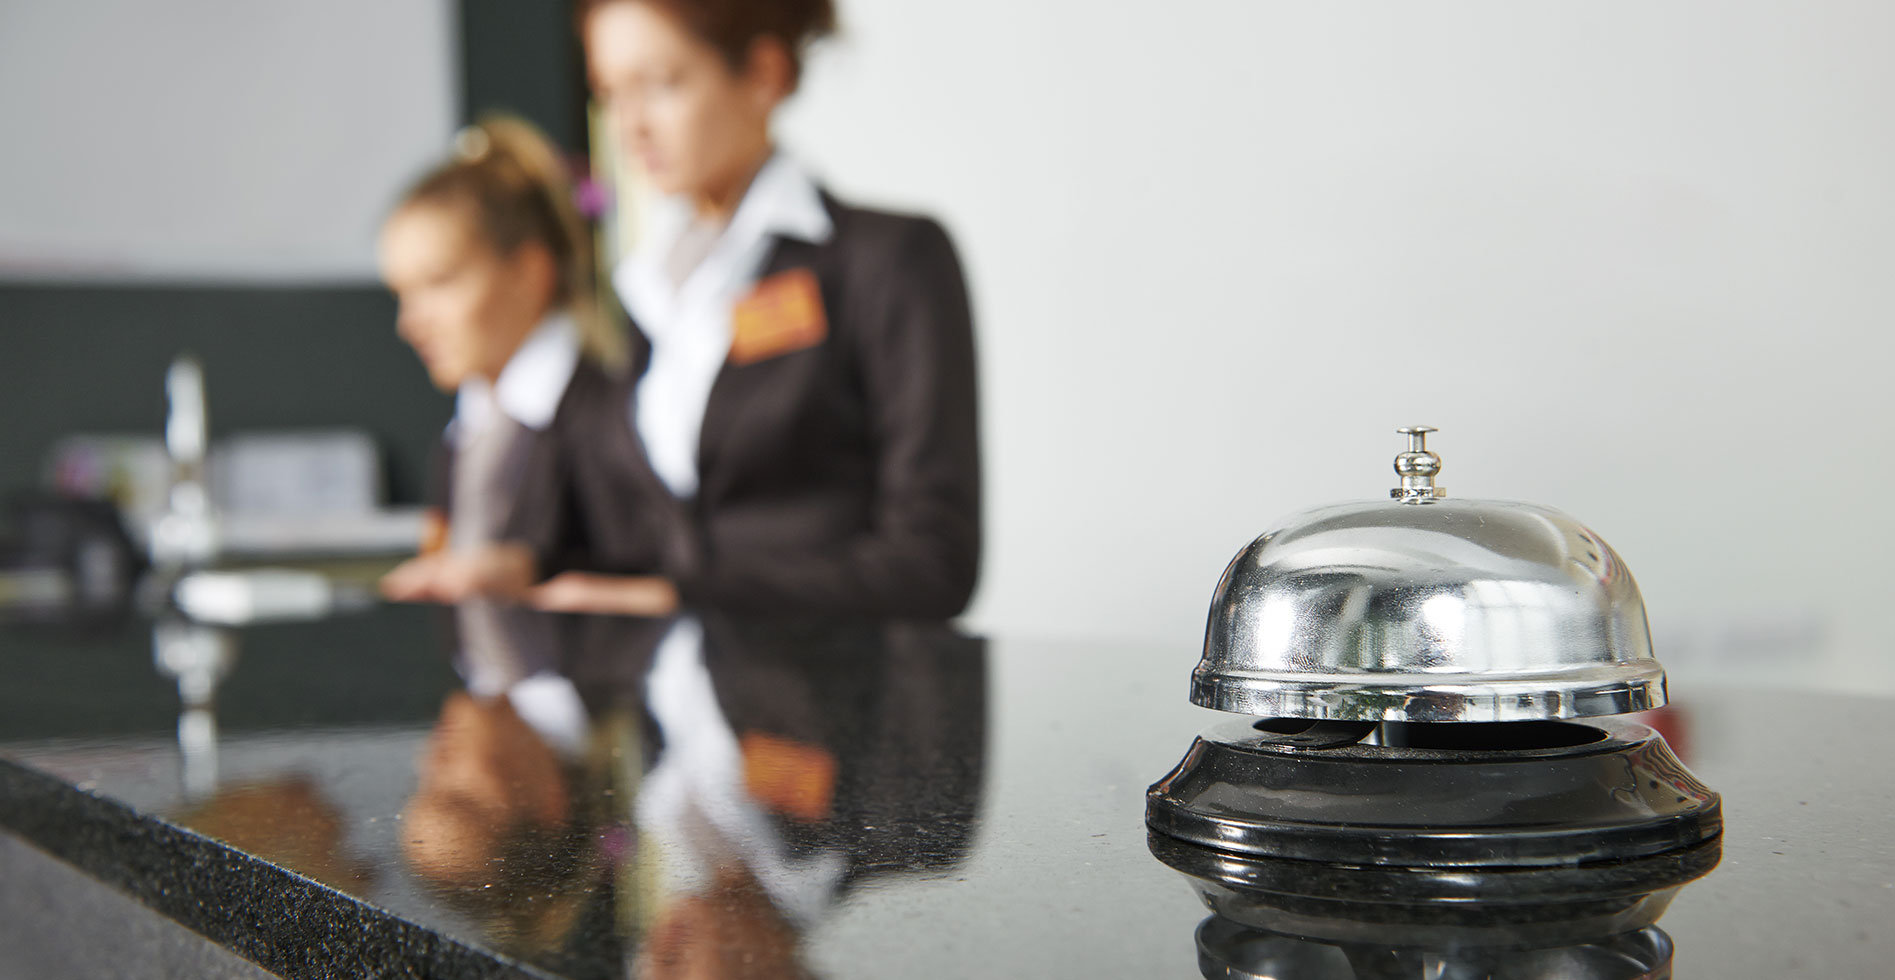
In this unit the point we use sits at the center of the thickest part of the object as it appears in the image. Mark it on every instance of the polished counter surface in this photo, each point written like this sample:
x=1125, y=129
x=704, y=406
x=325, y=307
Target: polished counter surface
x=598, y=797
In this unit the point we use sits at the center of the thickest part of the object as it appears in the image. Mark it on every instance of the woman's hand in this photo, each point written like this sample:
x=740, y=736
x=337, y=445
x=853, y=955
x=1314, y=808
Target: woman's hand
x=497, y=571
x=620, y=595
x=416, y=580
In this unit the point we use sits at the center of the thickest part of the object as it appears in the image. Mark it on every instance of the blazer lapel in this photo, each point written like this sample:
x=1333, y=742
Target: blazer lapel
x=623, y=442
x=733, y=393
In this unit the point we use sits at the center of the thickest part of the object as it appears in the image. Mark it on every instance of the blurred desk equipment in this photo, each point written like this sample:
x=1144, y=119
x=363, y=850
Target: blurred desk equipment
x=65, y=560
x=190, y=501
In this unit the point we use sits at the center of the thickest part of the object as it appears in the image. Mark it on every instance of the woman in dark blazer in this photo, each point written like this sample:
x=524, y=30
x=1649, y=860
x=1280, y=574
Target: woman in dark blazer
x=797, y=433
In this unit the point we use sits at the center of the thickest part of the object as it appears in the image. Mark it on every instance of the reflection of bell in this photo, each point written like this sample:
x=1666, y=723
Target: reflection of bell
x=1231, y=952
x=1419, y=776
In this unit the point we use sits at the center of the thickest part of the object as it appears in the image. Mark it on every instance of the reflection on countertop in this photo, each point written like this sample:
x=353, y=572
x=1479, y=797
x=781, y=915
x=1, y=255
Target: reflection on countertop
x=488, y=791
x=598, y=794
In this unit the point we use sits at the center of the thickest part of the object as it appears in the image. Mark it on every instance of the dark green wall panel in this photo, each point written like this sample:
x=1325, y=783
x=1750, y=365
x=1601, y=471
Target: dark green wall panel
x=91, y=358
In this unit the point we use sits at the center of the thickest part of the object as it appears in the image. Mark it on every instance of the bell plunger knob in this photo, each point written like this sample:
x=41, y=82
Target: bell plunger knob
x=1417, y=468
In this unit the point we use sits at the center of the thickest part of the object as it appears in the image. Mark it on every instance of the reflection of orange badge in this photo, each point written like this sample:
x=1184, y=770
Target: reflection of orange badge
x=790, y=777
x=782, y=314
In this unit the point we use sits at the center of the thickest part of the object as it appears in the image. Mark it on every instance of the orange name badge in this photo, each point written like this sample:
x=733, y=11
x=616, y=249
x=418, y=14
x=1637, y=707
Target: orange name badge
x=793, y=778
x=781, y=315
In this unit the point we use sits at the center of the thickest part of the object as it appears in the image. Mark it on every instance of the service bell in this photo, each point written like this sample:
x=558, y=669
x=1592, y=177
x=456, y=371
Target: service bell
x=1432, y=762
x=1427, y=608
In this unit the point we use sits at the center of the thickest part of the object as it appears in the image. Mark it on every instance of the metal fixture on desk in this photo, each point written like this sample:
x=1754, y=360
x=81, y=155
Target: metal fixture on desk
x=1430, y=682
x=185, y=536
x=281, y=495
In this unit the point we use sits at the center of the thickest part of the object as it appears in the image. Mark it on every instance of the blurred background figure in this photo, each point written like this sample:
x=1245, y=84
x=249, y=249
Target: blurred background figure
x=492, y=267
x=798, y=432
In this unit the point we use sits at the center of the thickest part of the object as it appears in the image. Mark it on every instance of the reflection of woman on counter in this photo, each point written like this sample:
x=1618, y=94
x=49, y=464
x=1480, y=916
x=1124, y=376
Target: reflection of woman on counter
x=797, y=433
x=493, y=270
x=697, y=797
x=787, y=767
x=496, y=828
x=500, y=824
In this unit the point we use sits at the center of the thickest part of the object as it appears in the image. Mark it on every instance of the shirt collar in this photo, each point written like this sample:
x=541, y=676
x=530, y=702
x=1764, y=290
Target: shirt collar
x=530, y=387
x=782, y=201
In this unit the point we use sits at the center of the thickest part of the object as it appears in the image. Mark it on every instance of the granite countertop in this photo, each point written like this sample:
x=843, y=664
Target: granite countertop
x=596, y=797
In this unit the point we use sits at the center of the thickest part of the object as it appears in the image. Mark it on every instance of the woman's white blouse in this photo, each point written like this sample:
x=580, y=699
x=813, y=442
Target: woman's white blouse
x=689, y=325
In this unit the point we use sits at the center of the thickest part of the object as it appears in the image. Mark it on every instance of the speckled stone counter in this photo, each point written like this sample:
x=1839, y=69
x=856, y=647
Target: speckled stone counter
x=404, y=792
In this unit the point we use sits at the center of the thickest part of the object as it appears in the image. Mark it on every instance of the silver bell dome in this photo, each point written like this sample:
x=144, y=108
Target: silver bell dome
x=1423, y=608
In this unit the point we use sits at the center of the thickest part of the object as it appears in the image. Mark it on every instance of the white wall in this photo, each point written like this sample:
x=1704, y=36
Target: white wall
x=213, y=139
x=1633, y=258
